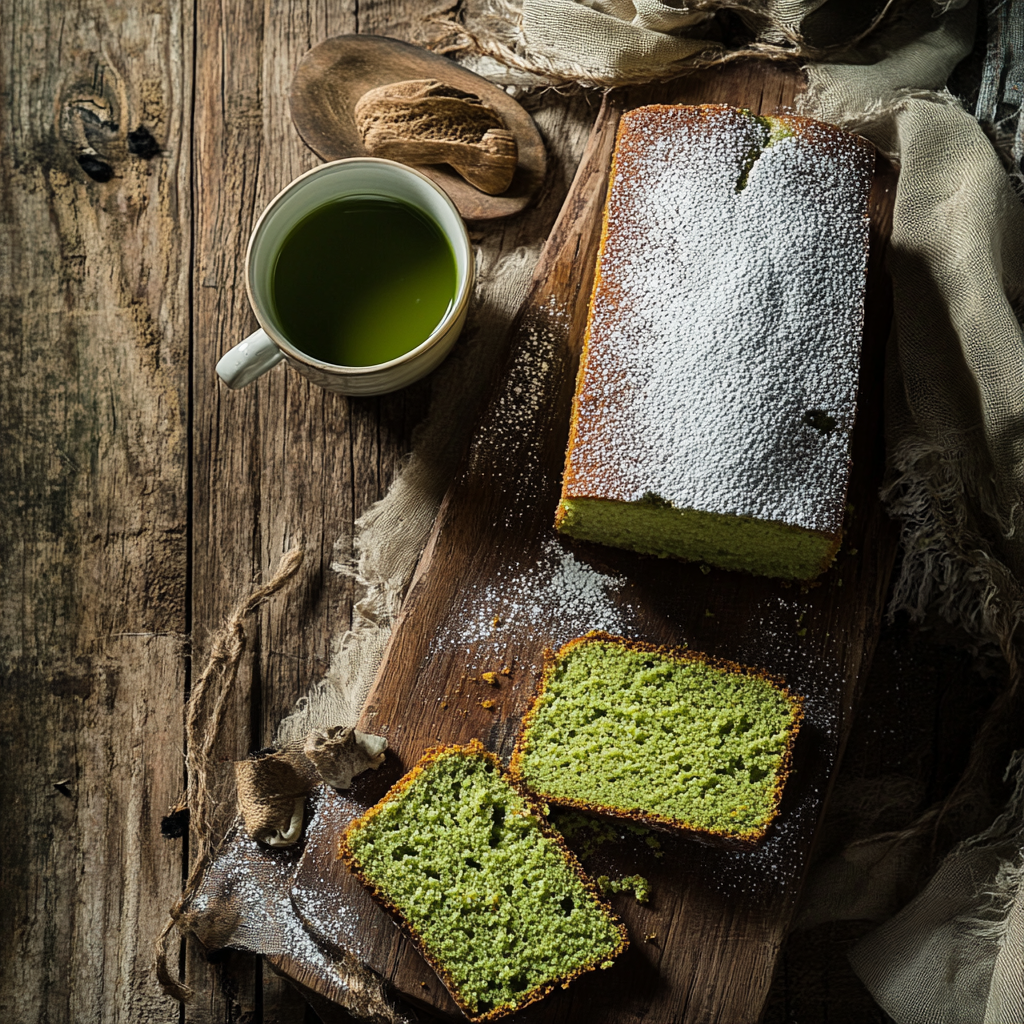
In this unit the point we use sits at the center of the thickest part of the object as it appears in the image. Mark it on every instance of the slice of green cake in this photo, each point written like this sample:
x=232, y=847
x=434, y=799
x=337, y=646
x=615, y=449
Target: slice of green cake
x=490, y=894
x=664, y=737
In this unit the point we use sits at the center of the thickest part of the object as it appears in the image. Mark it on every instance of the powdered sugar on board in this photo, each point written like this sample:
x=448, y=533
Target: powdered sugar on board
x=508, y=450
x=781, y=636
x=725, y=330
x=246, y=900
x=328, y=911
x=550, y=599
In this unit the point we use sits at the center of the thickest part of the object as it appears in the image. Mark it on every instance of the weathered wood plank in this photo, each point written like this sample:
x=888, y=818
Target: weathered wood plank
x=93, y=510
x=274, y=463
x=284, y=462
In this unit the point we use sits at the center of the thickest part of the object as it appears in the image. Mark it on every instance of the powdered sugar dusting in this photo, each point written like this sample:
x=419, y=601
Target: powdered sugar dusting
x=727, y=322
x=322, y=905
x=266, y=900
x=510, y=444
x=776, y=640
x=552, y=600
x=245, y=898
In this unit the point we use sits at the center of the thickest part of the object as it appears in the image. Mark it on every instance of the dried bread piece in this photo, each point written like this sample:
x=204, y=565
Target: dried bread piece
x=664, y=737
x=488, y=892
x=717, y=389
x=424, y=121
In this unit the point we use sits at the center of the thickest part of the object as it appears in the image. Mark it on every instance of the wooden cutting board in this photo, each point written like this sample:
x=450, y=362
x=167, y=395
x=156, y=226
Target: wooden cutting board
x=496, y=586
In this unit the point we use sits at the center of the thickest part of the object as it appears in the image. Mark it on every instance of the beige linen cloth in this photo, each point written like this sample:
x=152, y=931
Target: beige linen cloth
x=955, y=426
x=954, y=403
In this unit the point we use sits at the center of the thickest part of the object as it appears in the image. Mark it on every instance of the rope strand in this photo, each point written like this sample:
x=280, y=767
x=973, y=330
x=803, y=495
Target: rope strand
x=202, y=731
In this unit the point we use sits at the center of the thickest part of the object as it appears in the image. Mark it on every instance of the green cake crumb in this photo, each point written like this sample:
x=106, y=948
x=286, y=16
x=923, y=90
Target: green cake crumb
x=760, y=547
x=636, y=884
x=777, y=130
x=772, y=130
x=654, y=844
x=490, y=895
x=664, y=736
x=587, y=834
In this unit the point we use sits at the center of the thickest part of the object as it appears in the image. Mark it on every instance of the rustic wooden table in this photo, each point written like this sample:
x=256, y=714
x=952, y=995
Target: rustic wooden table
x=139, y=498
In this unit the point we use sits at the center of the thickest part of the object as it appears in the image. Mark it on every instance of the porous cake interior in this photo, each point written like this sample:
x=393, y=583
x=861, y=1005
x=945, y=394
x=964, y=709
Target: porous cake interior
x=654, y=527
x=461, y=856
x=634, y=731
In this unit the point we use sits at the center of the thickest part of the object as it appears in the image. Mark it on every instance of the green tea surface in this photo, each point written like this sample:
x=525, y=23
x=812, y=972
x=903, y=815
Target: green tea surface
x=362, y=280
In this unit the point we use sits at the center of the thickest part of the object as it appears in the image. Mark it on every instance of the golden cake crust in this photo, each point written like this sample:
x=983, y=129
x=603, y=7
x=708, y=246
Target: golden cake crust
x=591, y=470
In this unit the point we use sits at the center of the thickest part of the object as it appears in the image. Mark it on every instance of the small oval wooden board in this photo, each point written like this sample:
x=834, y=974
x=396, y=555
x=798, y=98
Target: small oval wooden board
x=331, y=78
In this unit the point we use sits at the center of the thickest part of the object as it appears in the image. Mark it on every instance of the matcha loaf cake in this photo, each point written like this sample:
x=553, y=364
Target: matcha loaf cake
x=717, y=388
x=490, y=894
x=661, y=736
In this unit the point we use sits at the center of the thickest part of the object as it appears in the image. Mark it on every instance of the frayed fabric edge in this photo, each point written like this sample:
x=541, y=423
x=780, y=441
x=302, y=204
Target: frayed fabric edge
x=947, y=565
x=875, y=121
x=496, y=34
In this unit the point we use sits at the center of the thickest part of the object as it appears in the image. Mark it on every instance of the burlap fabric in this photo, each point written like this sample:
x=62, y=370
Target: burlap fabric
x=956, y=953
x=955, y=395
x=272, y=790
x=616, y=40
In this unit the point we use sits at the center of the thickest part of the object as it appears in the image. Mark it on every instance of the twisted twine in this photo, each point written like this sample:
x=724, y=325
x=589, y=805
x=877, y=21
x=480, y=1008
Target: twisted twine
x=202, y=730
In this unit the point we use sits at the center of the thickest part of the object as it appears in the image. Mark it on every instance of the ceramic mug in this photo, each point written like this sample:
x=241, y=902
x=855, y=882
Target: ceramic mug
x=359, y=176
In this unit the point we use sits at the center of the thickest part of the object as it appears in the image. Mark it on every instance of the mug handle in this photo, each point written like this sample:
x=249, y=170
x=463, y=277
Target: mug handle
x=249, y=359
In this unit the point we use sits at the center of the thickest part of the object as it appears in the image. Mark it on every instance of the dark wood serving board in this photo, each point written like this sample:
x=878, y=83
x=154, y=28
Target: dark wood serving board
x=496, y=586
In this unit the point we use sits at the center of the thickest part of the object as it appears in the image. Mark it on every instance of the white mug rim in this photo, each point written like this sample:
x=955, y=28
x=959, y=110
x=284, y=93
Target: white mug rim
x=439, y=332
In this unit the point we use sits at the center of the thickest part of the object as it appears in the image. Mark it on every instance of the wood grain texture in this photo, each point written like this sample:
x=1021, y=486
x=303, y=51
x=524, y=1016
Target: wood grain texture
x=717, y=919
x=283, y=462
x=333, y=76
x=93, y=509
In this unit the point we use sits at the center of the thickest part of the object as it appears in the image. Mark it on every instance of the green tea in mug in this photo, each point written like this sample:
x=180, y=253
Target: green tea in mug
x=362, y=280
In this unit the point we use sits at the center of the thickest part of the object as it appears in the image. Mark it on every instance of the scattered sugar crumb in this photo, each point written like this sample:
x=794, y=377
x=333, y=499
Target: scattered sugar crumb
x=508, y=448
x=553, y=599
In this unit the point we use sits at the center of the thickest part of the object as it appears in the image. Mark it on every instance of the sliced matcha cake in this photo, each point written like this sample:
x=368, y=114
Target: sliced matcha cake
x=661, y=736
x=490, y=894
